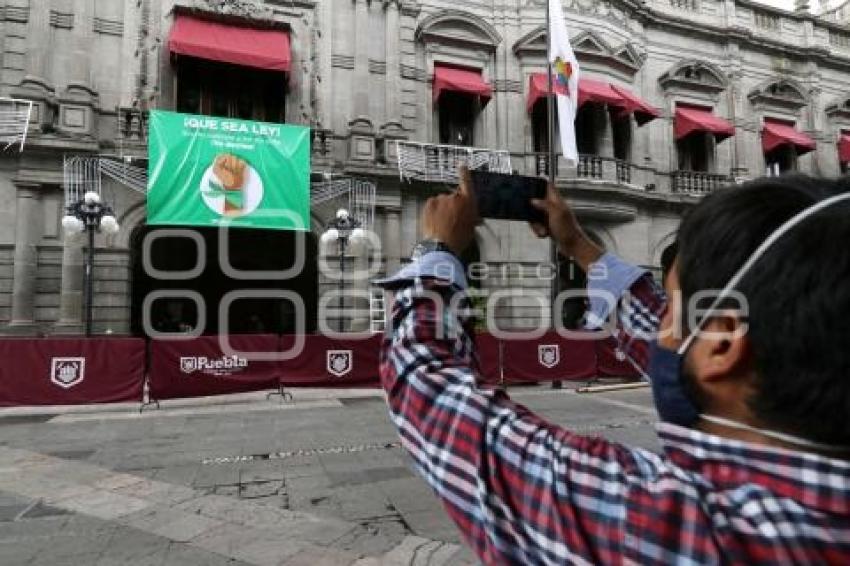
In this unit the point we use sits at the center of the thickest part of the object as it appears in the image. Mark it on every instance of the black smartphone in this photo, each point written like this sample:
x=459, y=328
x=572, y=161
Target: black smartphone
x=508, y=197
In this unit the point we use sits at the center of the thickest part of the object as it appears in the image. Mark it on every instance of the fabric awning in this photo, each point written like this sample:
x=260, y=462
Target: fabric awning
x=691, y=119
x=777, y=134
x=642, y=110
x=844, y=148
x=467, y=81
x=538, y=86
x=250, y=47
x=590, y=90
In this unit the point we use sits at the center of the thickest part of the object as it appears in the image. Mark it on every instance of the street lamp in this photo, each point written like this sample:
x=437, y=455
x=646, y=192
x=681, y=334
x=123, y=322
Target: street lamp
x=92, y=215
x=343, y=229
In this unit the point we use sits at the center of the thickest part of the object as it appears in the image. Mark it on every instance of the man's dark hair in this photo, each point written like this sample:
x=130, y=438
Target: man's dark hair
x=798, y=295
x=668, y=256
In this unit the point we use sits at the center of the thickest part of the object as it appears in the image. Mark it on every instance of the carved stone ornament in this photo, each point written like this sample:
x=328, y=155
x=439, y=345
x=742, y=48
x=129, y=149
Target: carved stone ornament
x=694, y=76
x=781, y=93
x=839, y=109
x=240, y=8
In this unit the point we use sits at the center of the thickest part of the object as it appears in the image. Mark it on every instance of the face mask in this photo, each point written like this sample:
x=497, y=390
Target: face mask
x=668, y=389
x=665, y=366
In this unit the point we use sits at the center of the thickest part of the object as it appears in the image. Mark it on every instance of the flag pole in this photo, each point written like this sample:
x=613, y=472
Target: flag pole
x=550, y=123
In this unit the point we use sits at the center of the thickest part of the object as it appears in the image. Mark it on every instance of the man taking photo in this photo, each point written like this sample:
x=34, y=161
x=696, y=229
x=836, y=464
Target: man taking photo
x=753, y=401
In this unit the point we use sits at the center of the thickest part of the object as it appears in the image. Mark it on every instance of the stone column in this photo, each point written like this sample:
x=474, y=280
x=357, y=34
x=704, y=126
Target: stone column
x=361, y=57
x=71, y=290
x=28, y=228
x=392, y=240
x=393, y=76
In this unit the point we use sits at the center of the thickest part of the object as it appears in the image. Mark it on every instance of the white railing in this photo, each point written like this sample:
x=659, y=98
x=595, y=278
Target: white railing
x=83, y=173
x=360, y=195
x=15, y=115
x=439, y=163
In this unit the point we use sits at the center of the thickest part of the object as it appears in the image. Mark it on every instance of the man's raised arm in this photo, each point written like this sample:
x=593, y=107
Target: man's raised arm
x=520, y=489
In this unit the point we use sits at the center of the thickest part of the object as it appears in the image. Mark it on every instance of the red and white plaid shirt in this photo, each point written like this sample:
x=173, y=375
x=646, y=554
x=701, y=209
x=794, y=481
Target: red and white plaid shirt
x=525, y=491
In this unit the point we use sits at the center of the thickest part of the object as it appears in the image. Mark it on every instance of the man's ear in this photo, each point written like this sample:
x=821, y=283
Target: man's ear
x=722, y=351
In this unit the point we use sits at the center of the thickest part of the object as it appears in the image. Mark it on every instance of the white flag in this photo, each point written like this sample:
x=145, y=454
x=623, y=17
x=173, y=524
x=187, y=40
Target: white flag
x=565, y=75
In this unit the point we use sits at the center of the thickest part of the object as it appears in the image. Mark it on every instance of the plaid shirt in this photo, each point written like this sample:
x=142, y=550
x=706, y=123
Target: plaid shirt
x=524, y=491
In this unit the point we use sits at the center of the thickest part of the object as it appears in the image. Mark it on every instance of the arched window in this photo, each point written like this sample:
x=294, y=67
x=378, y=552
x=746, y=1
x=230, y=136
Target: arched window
x=459, y=49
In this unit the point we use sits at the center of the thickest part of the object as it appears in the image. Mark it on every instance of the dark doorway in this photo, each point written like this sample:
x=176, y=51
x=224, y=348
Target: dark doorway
x=249, y=250
x=457, y=112
x=621, y=129
x=696, y=152
x=587, y=129
x=230, y=91
x=781, y=160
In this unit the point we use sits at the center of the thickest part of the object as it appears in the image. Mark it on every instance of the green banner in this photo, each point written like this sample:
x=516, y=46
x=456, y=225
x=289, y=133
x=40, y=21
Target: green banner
x=207, y=171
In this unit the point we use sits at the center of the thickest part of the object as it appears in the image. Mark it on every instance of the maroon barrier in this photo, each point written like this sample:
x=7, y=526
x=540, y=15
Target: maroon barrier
x=610, y=362
x=330, y=362
x=548, y=358
x=488, y=355
x=198, y=367
x=71, y=371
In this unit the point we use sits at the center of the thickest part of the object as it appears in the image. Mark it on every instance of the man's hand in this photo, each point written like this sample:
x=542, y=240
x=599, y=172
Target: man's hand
x=452, y=218
x=564, y=228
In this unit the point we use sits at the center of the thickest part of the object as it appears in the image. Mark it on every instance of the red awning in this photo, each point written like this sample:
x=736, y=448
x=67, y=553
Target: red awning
x=590, y=90
x=467, y=81
x=538, y=86
x=251, y=47
x=777, y=134
x=690, y=119
x=643, y=111
x=844, y=148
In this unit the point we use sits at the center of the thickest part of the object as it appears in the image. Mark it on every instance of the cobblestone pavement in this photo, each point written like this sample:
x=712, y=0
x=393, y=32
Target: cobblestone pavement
x=244, y=480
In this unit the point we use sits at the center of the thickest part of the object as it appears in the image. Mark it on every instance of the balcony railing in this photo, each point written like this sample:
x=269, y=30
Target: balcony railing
x=589, y=167
x=698, y=183
x=592, y=167
x=624, y=172
x=439, y=163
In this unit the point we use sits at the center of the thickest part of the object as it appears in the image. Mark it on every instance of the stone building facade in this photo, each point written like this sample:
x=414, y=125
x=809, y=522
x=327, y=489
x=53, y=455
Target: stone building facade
x=362, y=76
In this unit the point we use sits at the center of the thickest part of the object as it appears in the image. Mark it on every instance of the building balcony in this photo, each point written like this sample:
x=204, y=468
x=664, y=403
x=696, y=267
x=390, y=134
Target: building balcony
x=439, y=163
x=697, y=183
x=593, y=167
x=607, y=170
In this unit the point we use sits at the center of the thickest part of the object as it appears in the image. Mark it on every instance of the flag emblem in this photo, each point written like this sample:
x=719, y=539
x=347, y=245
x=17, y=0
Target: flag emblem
x=562, y=71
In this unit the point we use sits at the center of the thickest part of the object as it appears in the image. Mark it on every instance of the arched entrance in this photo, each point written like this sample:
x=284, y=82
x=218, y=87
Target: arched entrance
x=249, y=250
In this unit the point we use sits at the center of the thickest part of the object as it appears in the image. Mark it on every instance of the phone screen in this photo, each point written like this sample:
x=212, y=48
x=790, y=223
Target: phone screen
x=508, y=197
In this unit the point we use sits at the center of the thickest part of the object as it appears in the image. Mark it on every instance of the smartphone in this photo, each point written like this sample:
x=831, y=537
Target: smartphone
x=508, y=197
